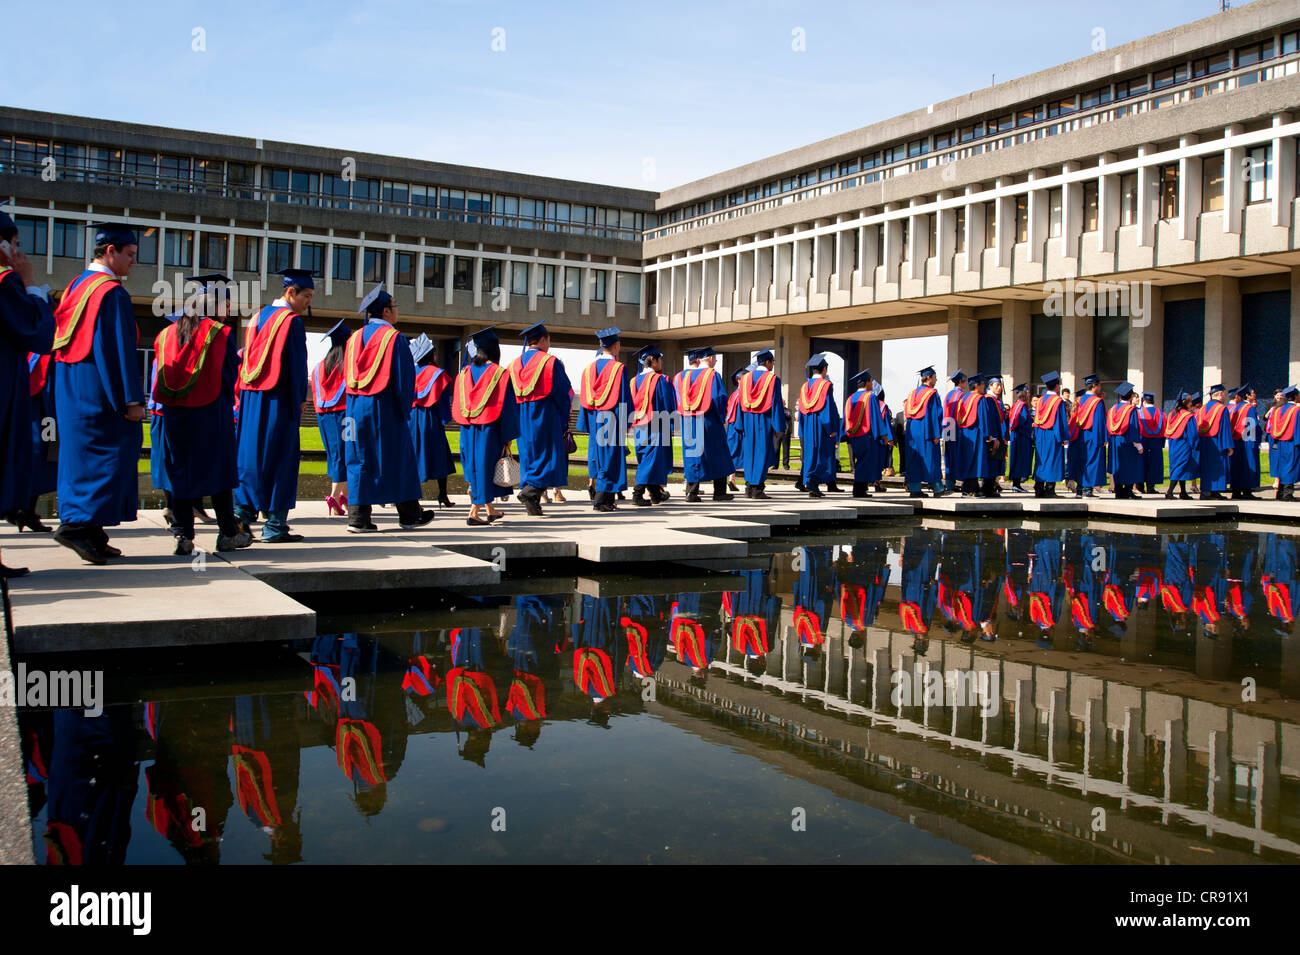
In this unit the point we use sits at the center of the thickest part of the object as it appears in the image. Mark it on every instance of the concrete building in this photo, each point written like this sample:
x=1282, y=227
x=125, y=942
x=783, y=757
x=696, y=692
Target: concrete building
x=1165, y=169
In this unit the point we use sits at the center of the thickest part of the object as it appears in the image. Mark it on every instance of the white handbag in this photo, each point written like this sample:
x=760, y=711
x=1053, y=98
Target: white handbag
x=506, y=473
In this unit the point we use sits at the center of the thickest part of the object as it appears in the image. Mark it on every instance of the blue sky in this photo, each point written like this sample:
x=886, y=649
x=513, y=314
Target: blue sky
x=602, y=92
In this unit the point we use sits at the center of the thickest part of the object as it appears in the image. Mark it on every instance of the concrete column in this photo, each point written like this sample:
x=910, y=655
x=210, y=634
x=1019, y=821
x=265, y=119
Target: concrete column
x=1038, y=218
x=1294, y=374
x=1282, y=188
x=1234, y=186
x=1146, y=336
x=1107, y=204
x=1147, y=211
x=1222, y=329
x=1189, y=190
x=1005, y=231
x=1071, y=215
x=791, y=354
x=1016, y=339
x=674, y=356
x=963, y=339
x=871, y=355
x=1078, y=355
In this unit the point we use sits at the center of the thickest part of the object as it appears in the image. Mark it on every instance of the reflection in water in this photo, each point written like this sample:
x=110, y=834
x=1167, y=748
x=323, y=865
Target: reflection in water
x=1151, y=674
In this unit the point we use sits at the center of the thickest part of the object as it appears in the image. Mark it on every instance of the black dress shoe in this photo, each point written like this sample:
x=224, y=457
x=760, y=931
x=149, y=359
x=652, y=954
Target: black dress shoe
x=494, y=517
x=285, y=538
x=476, y=522
x=82, y=547
x=445, y=501
x=530, y=504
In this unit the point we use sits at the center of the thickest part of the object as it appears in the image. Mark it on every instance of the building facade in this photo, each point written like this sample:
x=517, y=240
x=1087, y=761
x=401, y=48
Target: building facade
x=1131, y=213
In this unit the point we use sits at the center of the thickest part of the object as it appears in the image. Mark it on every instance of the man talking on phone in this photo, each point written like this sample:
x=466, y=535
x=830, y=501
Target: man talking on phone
x=26, y=325
x=99, y=398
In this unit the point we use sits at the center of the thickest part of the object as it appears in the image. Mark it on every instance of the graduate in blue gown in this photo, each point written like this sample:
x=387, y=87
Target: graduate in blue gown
x=545, y=395
x=379, y=374
x=922, y=434
x=919, y=592
x=1151, y=421
x=1051, y=432
x=273, y=385
x=863, y=572
x=694, y=631
x=1284, y=444
x=1278, y=581
x=654, y=416
x=755, y=616
x=734, y=437
x=430, y=414
x=193, y=432
x=330, y=399
x=761, y=422
x=483, y=404
x=605, y=396
x=599, y=653
x=1091, y=446
x=191, y=751
x=45, y=459
x=953, y=467
x=533, y=646
x=1126, y=447
x=267, y=759
x=99, y=398
x=819, y=428
x=1020, y=430
x=866, y=432
x=1247, y=431
x=702, y=402
x=26, y=328
x=1184, y=444
x=980, y=434
x=1214, y=426
x=92, y=784
x=645, y=625
x=1045, y=587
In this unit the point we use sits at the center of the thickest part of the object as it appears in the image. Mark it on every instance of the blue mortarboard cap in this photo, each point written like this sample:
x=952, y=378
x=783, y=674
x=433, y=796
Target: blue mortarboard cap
x=976, y=379
x=8, y=229
x=421, y=348
x=1290, y=391
x=764, y=355
x=926, y=372
x=485, y=337
x=993, y=377
x=534, y=331
x=1051, y=378
x=863, y=376
x=816, y=361
x=1242, y=389
x=339, y=334
x=210, y=279
x=115, y=233
x=646, y=352
x=1194, y=396
x=1124, y=389
x=608, y=336
x=1213, y=388
x=297, y=278
x=1090, y=380
x=1023, y=386
x=957, y=377
x=1148, y=396
x=1232, y=392
x=376, y=301
x=704, y=351
x=735, y=375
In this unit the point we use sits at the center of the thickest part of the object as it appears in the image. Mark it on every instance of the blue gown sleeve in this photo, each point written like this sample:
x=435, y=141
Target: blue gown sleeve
x=404, y=379
x=114, y=351
x=560, y=389
x=295, y=364
x=778, y=407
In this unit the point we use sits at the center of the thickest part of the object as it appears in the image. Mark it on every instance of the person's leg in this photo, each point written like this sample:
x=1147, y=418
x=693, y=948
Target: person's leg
x=359, y=519
x=183, y=525
x=276, y=527
x=411, y=515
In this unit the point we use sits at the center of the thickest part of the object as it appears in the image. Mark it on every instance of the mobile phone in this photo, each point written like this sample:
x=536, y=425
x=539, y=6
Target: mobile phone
x=7, y=249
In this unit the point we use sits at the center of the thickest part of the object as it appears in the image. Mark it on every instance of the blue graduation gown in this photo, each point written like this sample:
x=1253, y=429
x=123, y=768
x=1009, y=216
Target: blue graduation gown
x=705, y=455
x=433, y=460
x=153, y=415
x=1279, y=580
x=267, y=434
x=919, y=434
x=543, y=460
x=869, y=449
x=1048, y=447
x=819, y=434
x=758, y=433
x=481, y=444
x=864, y=575
x=1184, y=453
x=1245, y=453
x=733, y=433
x=98, y=447
x=974, y=457
x=381, y=460
x=953, y=465
x=330, y=426
x=26, y=325
x=918, y=566
x=1284, y=456
x=1045, y=580
x=1021, y=454
x=654, y=441
x=1128, y=465
x=1152, y=419
x=1214, y=453
x=606, y=444
x=45, y=473
x=195, y=447
x=1091, y=446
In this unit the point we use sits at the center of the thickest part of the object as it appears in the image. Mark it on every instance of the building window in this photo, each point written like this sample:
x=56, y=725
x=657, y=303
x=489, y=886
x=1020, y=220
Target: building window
x=174, y=173
x=435, y=270
x=1061, y=107
x=1094, y=98
x=1170, y=77
x=991, y=225
x=147, y=251
x=904, y=231
x=518, y=278
x=572, y=283
x=1090, y=206
x=312, y=256
x=305, y=188
x=71, y=161
x=375, y=266
x=1215, y=63
x=345, y=263
x=1055, y=211
x=404, y=268
x=491, y=277
x=239, y=181
x=1255, y=53
x=366, y=195
x=247, y=254
x=546, y=281
x=178, y=248
x=1128, y=199
x=336, y=190
x=968, y=133
x=279, y=255
x=209, y=175
x=275, y=184
x=1135, y=86
x=70, y=240
x=627, y=289
x=1168, y=174
x=105, y=165
x=141, y=170
x=212, y=249
x=598, y=278
x=1029, y=116
x=1022, y=218
x=1212, y=183
x=1259, y=170
x=960, y=225
x=462, y=276
x=33, y=235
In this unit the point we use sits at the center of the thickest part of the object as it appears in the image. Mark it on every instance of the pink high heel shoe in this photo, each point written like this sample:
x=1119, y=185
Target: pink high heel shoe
x=335, y=507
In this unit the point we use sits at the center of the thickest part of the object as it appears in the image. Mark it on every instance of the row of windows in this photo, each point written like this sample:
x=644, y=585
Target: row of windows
x=146, y=170
x=1220, y=62
x=178, y=250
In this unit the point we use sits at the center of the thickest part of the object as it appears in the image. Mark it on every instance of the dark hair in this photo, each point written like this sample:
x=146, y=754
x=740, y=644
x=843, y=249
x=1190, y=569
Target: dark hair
x=487, y=353
x=102, y=250
x=333, y=358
